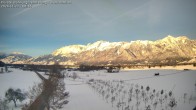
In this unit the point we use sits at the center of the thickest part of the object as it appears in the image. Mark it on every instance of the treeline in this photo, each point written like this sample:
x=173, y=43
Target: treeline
x=90, y=67
x=83, y=67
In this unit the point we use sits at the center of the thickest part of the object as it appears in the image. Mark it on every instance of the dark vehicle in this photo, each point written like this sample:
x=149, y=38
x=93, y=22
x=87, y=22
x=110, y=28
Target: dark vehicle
x=156, y=74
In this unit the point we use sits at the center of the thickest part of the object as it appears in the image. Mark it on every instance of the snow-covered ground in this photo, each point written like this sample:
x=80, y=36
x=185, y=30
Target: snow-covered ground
x=17, y=79
x=84, y=97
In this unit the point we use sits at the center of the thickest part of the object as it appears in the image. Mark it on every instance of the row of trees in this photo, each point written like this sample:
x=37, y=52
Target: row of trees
x=126, y=96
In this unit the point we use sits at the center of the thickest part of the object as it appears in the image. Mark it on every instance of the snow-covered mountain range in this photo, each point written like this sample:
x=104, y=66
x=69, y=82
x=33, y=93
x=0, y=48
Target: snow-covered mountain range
x=167, y=50
x=14, y=58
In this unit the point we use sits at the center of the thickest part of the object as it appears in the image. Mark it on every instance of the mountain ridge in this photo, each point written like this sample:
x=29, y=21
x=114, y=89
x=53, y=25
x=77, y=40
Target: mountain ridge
x=167, y=50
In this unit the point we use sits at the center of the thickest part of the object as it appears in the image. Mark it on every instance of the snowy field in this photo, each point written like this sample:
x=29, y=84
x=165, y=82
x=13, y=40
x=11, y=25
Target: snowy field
x=17, y=79
x=85, y=96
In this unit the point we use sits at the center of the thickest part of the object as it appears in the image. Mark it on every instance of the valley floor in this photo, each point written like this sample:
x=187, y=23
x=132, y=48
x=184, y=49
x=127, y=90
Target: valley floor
x=84, y=97
x=178, y=81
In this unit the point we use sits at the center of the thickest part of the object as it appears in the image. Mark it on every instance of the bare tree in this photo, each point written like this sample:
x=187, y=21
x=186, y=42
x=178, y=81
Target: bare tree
x=14, y=95
x=58, y=97
x=34, y=91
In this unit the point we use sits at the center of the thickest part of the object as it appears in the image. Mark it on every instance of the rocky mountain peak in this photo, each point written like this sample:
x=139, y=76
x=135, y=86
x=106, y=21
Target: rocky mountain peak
x=168, y=39
x=68, y=50
x=100, y=45
x=171, y=39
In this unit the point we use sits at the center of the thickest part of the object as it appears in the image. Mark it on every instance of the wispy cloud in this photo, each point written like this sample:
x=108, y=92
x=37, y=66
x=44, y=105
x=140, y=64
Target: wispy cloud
x=130, y=13
x=23, y=11
x=92, y=16
x=155, y=11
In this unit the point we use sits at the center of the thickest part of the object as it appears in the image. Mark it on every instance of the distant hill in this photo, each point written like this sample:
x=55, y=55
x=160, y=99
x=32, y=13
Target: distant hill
x=2, y=55
x=15, y=58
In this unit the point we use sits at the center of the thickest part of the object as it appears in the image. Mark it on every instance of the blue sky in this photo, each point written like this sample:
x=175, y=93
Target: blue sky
x=42, y=29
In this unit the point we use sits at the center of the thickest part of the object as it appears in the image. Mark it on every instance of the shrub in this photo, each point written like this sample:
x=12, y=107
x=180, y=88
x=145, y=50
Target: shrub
x=172, y=103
